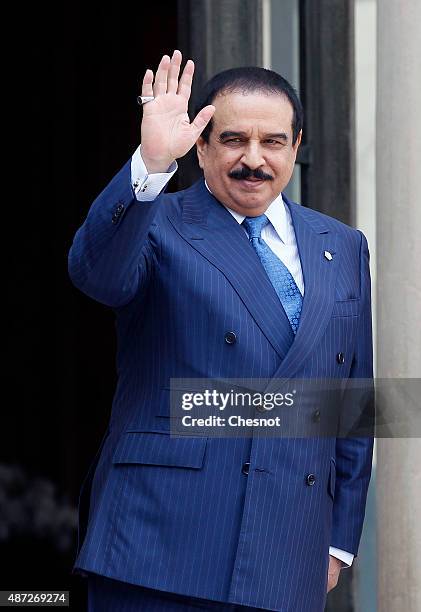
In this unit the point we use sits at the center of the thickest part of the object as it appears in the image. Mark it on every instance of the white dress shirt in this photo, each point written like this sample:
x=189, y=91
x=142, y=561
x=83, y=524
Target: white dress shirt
x=278, y=234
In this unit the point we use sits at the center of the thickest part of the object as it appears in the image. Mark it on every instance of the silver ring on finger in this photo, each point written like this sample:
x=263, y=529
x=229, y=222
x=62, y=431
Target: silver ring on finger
x=144, y=99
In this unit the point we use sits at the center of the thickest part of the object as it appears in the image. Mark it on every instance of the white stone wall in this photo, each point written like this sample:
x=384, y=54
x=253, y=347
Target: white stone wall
x=398, y=249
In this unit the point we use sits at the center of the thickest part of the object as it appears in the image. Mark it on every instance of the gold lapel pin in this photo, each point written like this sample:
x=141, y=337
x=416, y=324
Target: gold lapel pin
x=328, y=255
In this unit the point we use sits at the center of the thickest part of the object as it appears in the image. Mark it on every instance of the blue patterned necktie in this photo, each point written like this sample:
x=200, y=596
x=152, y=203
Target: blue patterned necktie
x=279, y=275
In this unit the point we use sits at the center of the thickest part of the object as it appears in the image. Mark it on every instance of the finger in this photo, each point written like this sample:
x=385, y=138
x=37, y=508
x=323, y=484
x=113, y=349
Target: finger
x=147, y=89
x=174, y=72
x=184, y=86
x=160, y=85
x=202, y=119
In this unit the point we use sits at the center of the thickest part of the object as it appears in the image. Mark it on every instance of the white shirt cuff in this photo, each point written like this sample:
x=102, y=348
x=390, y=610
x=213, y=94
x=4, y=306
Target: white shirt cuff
x=147, y=187
x=346, y=557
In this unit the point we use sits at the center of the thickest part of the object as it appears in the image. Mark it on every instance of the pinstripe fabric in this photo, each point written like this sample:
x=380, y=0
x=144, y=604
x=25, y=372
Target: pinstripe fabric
x=279, y=235
x=106, y=595
x=178, y=515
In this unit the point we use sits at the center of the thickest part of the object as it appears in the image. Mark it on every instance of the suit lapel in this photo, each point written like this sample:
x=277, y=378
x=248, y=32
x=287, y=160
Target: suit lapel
x=313, y=239
x=212, y=231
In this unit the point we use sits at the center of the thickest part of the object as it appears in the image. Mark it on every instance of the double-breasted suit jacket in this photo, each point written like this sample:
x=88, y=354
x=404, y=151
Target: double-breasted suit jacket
x=180, y=514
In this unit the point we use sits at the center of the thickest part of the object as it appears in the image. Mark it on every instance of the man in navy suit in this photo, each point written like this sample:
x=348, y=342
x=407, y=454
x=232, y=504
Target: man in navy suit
x=227, y=279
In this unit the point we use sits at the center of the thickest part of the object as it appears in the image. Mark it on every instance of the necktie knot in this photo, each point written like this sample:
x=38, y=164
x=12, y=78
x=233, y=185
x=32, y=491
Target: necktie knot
x=254, y=225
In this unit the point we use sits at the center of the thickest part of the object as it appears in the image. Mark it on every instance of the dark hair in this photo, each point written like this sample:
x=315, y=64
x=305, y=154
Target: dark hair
x=250, y=79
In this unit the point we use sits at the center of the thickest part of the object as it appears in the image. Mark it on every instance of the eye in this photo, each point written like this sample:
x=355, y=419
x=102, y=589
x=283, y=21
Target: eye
x=234, y=142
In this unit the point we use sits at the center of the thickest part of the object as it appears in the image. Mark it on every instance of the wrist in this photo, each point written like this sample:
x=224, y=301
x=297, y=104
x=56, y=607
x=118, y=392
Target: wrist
x=157, y=166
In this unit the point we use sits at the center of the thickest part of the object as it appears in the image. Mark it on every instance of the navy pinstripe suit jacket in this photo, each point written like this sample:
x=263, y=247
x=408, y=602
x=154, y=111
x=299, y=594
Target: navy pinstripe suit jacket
x=178, y=514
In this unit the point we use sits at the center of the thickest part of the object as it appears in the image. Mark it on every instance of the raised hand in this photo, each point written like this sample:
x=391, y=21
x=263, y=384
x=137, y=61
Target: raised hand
x=167, y=133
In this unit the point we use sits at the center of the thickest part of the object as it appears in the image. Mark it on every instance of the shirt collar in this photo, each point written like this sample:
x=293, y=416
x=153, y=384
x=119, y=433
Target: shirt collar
x=277, y=213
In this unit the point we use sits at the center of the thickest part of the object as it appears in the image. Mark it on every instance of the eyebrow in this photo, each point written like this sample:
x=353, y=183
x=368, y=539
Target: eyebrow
x=230, y=134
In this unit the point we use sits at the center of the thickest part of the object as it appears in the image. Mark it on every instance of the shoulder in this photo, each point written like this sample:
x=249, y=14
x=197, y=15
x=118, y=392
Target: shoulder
x=177, y=198
x=189, y=205
x=322, y=223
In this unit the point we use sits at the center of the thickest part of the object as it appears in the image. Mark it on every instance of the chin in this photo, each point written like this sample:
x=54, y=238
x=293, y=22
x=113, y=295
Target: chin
x=251, y=206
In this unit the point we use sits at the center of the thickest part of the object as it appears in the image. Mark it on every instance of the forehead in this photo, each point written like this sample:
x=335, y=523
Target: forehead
x=238, y=111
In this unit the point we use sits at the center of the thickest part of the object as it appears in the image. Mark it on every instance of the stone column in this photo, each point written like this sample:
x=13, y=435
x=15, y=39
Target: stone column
x=399, y=296
x=217, y=34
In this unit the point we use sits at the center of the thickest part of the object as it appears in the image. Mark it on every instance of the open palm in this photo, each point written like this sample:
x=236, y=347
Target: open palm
x=167, y=133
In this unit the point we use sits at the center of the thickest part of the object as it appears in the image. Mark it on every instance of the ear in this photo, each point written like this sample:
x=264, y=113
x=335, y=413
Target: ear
x=298, y=141
x=201, y=146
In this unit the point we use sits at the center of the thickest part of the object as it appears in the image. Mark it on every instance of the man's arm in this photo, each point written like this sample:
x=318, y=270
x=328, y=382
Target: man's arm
x=354, y=454
x=112, y=255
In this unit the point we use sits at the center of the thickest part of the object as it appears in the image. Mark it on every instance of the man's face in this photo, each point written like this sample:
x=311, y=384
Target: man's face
x=250, y=157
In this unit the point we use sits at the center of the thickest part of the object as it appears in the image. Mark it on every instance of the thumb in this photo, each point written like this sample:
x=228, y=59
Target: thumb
x=202, y=119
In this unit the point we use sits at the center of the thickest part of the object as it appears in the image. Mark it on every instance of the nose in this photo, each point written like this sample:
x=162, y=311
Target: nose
x=252, y=156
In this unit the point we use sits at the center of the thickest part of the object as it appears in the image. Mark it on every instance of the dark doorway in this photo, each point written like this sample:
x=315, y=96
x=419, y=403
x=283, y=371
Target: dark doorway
x=81, y=121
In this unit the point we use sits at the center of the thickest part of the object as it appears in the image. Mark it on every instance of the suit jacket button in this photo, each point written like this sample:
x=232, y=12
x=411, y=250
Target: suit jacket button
x=316, y=416
x=230, y=337
x=340, y=358
x=310, y=479
x=120, y=208
x=246, y=468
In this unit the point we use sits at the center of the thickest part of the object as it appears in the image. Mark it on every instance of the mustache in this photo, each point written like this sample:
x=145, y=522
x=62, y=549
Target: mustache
x=244, y=173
